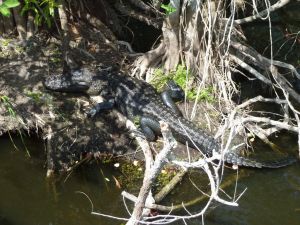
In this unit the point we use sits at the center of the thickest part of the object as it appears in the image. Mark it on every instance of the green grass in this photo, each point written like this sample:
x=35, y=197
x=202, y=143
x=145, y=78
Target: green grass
x=10, y=109
x=8, y=105
x=183, y=78
x=35, y=96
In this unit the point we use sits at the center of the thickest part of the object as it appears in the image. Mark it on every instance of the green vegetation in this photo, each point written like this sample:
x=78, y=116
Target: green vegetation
x=9, y=49
x=183, y=78
x=5, y=42
x=165, y=177
x=206, y=94
x=136, y=121
x=7, y=5
x=10, y=109
x=8, y=105
x=35, y=96
x=169, y=8
x=132, y=175
x=180, y=76
x=43, y=10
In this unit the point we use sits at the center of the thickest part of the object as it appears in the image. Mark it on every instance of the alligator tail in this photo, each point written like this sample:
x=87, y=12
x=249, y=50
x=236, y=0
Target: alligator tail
x=239, y=160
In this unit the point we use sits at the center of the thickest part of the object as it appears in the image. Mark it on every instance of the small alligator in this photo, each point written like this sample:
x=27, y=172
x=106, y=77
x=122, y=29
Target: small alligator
x=137, y=99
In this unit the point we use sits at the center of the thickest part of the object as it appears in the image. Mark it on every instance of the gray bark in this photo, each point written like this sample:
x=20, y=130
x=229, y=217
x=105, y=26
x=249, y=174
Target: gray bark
x=20, y=22
x=8, y=23
x=30, y=25
x=1, y=25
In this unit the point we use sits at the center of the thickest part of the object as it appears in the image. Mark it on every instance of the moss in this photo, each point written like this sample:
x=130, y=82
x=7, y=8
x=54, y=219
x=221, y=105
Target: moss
x=35, y=96
x=164, y=178
x=183, y=77
x=8, y=48
x=131, y=175
x=5, y=42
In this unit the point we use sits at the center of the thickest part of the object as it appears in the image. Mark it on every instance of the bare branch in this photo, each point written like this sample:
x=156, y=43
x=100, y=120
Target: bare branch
x=263, y=13
x=141, y=17
x=251, y=70
x=151, y=173
x=265, y=120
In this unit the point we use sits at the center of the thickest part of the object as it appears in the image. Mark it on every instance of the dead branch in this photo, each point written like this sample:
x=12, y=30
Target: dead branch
x=260, y=99
x=283, y=83
x=268, y=65
x=269, y=121
x=151, y=173
x=258, y=58
x=141, y=5
x=263, y=13
x=262, y=135
x=251, y=70
x=126, y=10
x=148, y=205
x=277, y=125
x=170, y=186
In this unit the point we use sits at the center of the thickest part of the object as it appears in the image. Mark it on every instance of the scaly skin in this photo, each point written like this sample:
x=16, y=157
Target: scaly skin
x=135, y=98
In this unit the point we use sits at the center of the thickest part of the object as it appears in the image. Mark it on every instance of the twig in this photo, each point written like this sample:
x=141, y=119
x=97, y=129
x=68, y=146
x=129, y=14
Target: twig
x=260, y=99
x=281, y=125
x=141, y=17
x=263, y=13
x=251, y=70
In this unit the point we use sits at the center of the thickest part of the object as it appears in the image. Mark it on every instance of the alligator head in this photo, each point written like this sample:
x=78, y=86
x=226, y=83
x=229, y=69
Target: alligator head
x=74, y=81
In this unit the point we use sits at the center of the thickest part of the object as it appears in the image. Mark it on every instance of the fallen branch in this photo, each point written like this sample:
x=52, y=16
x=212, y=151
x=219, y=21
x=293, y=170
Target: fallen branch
x=260, y=132
x=151, y=174
x=170, y=186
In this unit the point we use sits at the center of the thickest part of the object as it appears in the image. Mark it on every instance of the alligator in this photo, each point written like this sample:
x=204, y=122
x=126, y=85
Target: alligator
x=135, y=98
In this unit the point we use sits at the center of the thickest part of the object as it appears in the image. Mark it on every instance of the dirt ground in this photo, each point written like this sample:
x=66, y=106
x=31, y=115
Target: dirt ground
x=59, y=118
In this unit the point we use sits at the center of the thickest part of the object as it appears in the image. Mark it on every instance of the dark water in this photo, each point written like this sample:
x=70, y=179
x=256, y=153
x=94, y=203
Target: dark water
x=28, y=199
x=272, y=196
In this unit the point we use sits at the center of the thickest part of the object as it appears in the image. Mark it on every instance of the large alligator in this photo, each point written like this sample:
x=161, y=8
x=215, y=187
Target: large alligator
x=137, y=99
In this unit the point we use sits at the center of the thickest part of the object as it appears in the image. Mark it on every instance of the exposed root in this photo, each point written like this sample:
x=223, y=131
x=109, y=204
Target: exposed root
x=211, y=34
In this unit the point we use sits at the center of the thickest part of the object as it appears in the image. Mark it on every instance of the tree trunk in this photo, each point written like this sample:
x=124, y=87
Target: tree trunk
x=8, y=23
x=63, y=18
x=1, y=25
x=30, y=25
x=69, y=62
x=20, y=22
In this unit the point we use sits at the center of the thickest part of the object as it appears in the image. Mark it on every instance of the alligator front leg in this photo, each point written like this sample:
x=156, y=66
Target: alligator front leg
x=109, y=104
x=150, y=127
x=173, y=93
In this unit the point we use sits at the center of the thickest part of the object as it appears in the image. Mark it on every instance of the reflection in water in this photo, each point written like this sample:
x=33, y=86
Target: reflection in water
x=27, y=199
x=272, y=196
